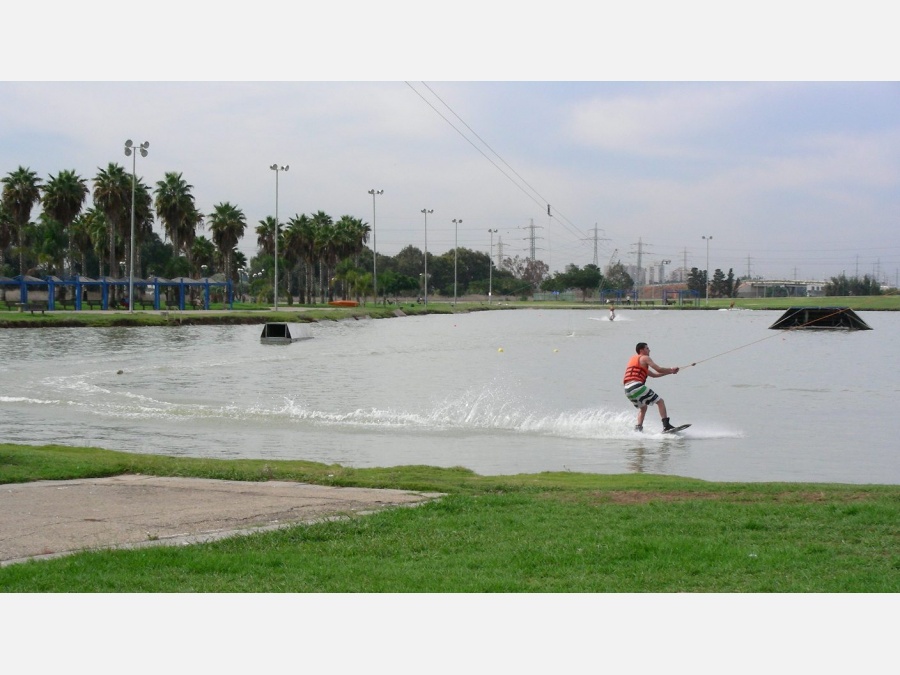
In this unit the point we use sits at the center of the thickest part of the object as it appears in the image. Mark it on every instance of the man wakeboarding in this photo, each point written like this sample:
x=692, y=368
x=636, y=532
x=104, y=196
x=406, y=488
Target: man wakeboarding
x=641, y=396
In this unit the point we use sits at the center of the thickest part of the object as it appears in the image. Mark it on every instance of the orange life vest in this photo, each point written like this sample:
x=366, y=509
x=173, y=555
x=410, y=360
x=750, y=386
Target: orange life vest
x=635, y=372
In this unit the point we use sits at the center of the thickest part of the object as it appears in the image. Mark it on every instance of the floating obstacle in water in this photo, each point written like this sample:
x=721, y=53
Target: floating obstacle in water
x=821, y=318
x=280, y=334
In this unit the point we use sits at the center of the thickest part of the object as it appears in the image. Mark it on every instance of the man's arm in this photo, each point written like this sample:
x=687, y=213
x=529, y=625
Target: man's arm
x=654, y=370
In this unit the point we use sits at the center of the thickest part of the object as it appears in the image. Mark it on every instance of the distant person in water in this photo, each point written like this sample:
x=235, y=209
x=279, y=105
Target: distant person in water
x=641, y=396
x=612, y=313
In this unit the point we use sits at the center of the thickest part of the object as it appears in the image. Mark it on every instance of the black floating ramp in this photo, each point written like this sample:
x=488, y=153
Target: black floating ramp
x=821, y=318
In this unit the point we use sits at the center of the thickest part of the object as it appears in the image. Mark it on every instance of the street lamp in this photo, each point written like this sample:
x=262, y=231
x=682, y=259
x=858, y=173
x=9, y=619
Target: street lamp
x=426, y=212
x=491, y=267
x=707, y=267
x=277, y=169
x=374, y=192
x=456, y=222
x=131, y=151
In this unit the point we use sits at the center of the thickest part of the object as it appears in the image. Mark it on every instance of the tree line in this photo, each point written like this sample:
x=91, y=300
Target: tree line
x=86, y=229
x=321, y=258
x=844, y=285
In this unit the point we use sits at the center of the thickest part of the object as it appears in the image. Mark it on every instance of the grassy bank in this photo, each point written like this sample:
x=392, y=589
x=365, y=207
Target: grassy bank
x=258, y=314
x=550, y=532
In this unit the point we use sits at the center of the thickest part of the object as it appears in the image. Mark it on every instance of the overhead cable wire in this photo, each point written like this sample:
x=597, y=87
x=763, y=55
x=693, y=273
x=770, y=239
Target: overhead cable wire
x=544, y=202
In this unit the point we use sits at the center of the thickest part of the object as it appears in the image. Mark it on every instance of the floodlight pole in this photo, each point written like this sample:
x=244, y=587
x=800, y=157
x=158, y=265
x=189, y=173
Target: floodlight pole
x=707, y=267
x=277, y=169
x=131, y=150
x=426, y=212
x=374, y=192
x=456, y=222
x=491, y=268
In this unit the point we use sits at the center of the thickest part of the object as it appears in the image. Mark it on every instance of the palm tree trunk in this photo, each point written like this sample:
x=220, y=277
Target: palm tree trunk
x=21, y=230
x=112, y=248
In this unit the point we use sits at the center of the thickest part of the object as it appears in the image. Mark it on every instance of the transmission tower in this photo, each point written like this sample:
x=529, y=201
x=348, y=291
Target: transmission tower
x=531, y=237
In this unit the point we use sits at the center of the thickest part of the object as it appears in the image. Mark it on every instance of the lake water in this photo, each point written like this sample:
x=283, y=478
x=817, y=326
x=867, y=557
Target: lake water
x=499, y=392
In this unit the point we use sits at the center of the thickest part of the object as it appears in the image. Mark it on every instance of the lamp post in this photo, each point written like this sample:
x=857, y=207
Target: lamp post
x=491, y=267
x=131, y=151
x=456, y=222
x=277, y=169
x=707, y=267
x=426, y=212
x=374, y=192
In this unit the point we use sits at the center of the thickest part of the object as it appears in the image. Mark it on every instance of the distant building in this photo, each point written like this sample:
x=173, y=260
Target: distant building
x=780, y=288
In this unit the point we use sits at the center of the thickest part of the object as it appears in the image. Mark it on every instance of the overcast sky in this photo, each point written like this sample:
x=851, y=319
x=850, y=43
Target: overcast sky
x=793, y=173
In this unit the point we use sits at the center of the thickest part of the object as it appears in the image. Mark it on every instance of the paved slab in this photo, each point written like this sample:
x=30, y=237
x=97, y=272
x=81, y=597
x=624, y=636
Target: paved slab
x=51, y=518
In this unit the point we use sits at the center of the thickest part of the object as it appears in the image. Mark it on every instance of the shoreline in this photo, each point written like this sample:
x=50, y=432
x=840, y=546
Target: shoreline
x=312, y=314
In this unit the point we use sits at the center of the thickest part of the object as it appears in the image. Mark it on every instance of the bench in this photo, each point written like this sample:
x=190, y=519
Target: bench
x=33, y=306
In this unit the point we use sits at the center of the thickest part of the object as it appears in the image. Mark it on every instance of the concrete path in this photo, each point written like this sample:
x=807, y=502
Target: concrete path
x=47, y=519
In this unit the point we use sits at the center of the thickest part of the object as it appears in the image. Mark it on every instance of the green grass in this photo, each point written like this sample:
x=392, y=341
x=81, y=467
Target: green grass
x=257, y=314
x=547, y=533
x=856, y=303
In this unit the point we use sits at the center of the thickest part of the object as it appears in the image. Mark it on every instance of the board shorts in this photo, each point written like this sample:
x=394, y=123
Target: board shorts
x=640, y=394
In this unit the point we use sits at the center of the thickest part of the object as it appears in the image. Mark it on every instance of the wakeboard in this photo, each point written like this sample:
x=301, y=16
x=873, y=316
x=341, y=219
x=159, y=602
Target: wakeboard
x=675, y=430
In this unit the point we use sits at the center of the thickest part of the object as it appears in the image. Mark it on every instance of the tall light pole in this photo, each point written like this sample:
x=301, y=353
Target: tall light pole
x=426, y=212
x=374, y=192
x=277, y=169
x=662, y=270
x=456, y=222
x=707, y=267
x=132, y=151
x=491, y=267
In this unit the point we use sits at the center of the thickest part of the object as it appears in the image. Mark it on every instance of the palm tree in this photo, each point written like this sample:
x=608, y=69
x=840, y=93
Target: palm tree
x=21, y=190
x=63, y=199
x=93, y=238
x=351, y=235
x=227, y=224
x=203, y=252
x=6, y=224
x=300, y=243
x=265, y=236
x=326, y=245
x=80, y=241
x=49, y=243
x=143, y=221
x=176, y=209
x=112, y=195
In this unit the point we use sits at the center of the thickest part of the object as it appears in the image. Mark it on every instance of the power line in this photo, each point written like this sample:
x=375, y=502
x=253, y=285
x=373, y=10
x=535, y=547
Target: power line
x=543, y=201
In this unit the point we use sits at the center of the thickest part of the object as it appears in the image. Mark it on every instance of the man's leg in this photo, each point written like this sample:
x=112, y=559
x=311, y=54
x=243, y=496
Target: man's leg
x=663, y=415
x=640, y=418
